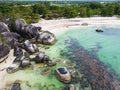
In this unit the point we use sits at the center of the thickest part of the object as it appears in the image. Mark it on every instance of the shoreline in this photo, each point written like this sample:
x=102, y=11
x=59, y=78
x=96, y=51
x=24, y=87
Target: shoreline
x=60, y=26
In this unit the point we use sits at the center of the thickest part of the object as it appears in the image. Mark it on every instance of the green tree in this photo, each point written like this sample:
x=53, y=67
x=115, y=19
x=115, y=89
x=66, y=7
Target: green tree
x=70, y=12
x=83, y=12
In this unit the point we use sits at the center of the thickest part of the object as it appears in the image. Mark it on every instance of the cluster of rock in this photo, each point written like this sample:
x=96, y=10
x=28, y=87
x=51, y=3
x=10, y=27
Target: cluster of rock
x=22, y=37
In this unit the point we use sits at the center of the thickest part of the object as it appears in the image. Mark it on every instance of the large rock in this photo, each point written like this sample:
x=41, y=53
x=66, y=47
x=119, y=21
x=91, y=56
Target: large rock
x=4, y=52
x=46, y=37
x=17, y=51
x=99, y=30
x=19, y=23
x=15, y=86
x=12, y=69
x=3, y=27
x=28, y=31
x=11, y=38
x=63, y=74
x=21, y=57
x=25, y=63
x=41, y=58
x=31, y=48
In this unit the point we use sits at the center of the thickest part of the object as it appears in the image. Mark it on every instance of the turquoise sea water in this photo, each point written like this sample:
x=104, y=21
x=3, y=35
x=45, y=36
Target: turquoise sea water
x=105, y=45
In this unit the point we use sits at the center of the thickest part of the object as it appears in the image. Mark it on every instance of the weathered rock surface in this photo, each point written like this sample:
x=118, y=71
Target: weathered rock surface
x=3, y=27
x=29, y=31
x=46, y=37
x=63, y=74
x=15, y=86
x=25, y=63
x=26, y=30
x=41, y=58
x=11, y=38
x=4, y=52
x=20, y=57
x=12, y=69
x=99, y=30
x=17, y=51
x=31, y=48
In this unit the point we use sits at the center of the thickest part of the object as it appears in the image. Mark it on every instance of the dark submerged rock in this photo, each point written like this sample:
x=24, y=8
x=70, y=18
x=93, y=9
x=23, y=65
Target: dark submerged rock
x=70, y=87
x=99, y=30
x=15, y=86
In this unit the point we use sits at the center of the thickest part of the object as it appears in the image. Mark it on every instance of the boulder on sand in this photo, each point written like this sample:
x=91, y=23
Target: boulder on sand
x=17, y=51
x=25, y=63
x=31, y=48
x=28, y=31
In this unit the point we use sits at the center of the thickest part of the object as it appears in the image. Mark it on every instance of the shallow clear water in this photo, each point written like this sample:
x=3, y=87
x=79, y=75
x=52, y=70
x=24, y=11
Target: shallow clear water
x=106, y=45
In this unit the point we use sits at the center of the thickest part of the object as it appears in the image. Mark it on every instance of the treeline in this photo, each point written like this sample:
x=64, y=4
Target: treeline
x=33, y=12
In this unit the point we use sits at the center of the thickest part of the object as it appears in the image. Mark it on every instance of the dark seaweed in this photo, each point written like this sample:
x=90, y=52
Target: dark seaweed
x=95, y=71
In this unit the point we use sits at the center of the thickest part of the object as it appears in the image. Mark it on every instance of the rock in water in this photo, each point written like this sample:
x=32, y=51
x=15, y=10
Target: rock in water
x=3, y=27
x=99, y=30
x=63, y=74
x=15, y=86
x=46, y=37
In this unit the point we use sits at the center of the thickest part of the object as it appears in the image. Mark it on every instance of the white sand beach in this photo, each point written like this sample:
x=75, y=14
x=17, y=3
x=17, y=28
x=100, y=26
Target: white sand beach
x=59, y=26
